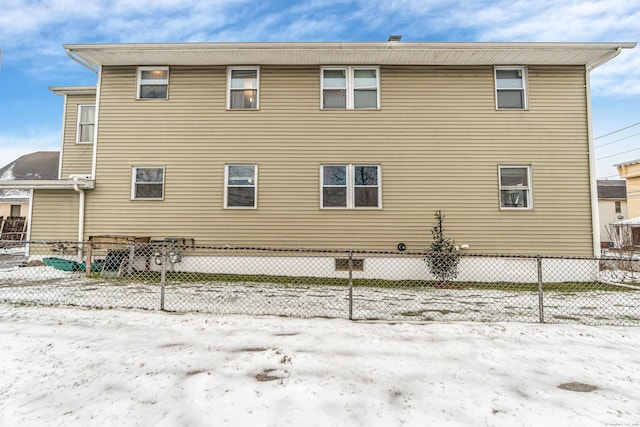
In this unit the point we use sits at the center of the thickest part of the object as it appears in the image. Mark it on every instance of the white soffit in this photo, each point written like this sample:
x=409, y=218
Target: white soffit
x=390, y=53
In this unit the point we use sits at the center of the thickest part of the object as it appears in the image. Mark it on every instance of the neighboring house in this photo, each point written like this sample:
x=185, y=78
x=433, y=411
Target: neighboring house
x=14, y=202
x=330, y=145
x=612, y=206
x=631, y=172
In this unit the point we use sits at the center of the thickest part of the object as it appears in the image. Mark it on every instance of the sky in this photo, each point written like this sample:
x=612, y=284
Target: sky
x=69, y=366
x=32, y=33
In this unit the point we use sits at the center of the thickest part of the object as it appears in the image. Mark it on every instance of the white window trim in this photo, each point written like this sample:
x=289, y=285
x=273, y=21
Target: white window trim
x=229, y=72
x=78, y=123
x=350, y=187
x=133, y=182
x=226, y=186
x=350, y=86
x=139, y=82
x=525, y=88
x=529, y=188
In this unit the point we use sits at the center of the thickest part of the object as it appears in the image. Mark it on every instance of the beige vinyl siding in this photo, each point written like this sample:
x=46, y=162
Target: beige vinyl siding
x=437, y=136
x=55, y=215
x=76, y=158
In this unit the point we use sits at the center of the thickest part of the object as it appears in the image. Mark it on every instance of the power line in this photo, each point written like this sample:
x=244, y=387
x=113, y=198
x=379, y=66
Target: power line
x=617, y=154
x=621, y=139
x=616, y=131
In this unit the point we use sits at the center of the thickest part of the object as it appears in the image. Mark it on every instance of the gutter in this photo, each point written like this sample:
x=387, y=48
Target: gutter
x=80, y=60
x=49, y=184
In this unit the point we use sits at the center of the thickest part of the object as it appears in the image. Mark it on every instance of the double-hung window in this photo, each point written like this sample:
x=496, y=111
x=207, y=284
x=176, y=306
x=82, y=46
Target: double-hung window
x=147, y=183
x=515, y=187
x=86, y=124
x=153, y=83
x=240, y=189
x=350, y=186
x=511, y=84
x=243, y=85
x=350, y=88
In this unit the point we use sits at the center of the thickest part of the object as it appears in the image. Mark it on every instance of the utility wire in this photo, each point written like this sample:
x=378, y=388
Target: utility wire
x=617, y=154
x=621, y=139
x=616, y=131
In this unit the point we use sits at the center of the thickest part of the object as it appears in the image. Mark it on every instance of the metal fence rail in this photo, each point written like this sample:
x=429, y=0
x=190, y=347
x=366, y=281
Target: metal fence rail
x=177, y=275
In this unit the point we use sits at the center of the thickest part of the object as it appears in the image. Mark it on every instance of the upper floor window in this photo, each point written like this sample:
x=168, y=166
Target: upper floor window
x=511, y=93
x=147, y=183
x=243, y=84
x=86, y=124
x=240, y=186
x=515, y=187
x=618, y=207
x=350, y=88
x=350, y=186
x=153, y=82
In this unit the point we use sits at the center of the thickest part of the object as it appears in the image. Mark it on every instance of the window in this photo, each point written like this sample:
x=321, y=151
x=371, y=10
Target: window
x=618, y=207
x=350, y=186
x=243, y=87
x=515, y=187
x=510, y=88
x=240, y=186
x=15, y=210
x=86, y=124
x=350, y=88
x=147, y=183
x=153, y=82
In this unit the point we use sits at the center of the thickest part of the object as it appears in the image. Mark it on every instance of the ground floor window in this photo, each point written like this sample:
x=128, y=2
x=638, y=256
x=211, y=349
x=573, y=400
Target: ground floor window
x=241, y=186
x=515, y=186
x=350, y=186
x=147, y=183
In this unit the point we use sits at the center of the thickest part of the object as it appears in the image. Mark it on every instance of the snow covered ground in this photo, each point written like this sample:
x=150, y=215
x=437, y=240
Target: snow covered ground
x=81, y=367
x=46, y=285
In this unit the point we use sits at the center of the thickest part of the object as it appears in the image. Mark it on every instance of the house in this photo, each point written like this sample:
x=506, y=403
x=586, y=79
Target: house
x=14, y=202
x=631, y=172
x=330, y=145
x=612, y=206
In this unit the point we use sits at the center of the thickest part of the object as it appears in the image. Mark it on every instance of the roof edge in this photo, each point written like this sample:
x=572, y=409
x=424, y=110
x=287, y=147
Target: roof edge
x=73, y=90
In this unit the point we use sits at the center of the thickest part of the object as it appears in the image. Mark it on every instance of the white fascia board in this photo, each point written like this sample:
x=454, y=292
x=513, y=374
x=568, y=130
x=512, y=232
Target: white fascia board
x=47, y=184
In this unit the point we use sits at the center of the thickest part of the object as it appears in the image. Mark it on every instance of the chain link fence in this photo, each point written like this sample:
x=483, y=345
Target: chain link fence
x=178, y=275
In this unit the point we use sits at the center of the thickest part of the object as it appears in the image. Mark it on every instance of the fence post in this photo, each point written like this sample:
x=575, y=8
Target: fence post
x=163, y=275
x=540, y=295
x=88, y=257
x=350, y=285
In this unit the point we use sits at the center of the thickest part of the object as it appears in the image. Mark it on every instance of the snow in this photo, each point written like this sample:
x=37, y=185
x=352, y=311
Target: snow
x=46, y=285
x=79, y=367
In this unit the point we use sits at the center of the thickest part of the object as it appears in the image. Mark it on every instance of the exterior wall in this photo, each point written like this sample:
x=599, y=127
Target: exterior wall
x=77, y=159
x=485, y=269
x=608, y=215
x=631, y=172
x=5, y=208
x=54, y=215
x=437, y=136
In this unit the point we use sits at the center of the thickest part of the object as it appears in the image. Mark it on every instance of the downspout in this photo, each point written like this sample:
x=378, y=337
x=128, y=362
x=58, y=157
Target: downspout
x=595, y=221
x=77, y=188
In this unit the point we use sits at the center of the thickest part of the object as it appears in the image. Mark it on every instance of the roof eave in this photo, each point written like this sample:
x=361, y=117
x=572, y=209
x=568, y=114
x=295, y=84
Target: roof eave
x=47, y=184
x=590, y=55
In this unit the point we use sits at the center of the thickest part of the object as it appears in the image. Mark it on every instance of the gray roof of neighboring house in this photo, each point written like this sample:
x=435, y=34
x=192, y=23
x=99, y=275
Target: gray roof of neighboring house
x=41, y=165
x=612, y=189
